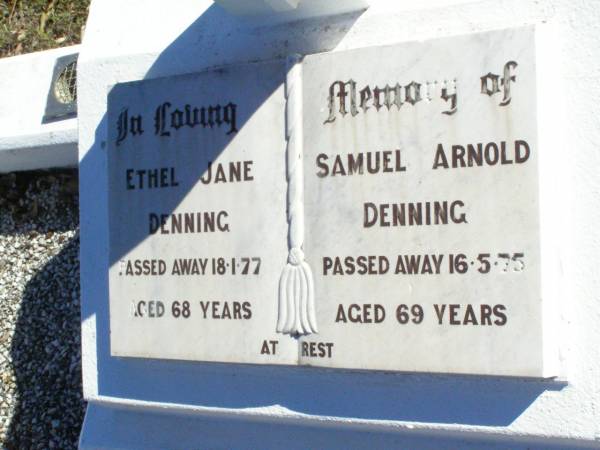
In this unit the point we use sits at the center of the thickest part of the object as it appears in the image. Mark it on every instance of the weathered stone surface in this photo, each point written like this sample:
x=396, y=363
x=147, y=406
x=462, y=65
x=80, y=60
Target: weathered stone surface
x=413, y=210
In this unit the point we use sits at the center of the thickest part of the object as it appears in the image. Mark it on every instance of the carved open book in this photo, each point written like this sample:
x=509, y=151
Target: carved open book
x=376, y=208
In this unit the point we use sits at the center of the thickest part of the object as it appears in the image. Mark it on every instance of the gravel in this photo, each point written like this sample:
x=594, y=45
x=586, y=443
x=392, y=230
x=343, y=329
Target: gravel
x=41, y=404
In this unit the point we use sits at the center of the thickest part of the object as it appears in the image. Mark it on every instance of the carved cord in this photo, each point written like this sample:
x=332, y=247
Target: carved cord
x=296, y=285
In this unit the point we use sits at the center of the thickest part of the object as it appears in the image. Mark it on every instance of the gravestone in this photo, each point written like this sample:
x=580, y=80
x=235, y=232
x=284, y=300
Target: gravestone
x=376, y=208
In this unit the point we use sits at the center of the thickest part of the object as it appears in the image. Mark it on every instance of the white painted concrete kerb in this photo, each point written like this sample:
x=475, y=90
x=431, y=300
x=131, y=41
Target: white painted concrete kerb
x=26, y=143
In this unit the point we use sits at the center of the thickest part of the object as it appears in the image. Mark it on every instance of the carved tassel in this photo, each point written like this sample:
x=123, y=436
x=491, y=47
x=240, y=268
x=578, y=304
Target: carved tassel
x=296, y=285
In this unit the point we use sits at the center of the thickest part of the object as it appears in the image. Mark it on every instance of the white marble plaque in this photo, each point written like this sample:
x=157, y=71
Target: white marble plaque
x=376, y=208
x=422, y=207
x=196, y=252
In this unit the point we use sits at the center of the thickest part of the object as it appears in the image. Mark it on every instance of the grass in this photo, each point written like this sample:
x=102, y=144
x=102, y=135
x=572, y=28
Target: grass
x=34, y=25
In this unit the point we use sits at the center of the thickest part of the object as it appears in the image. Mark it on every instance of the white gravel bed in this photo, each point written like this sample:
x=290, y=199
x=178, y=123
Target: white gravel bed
x=40, y=358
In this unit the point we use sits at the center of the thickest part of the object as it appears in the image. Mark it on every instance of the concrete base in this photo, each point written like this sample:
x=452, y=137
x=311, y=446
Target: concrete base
x=148, y=426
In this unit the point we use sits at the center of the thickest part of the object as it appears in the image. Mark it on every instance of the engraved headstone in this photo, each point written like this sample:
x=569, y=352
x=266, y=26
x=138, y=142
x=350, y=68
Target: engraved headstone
x=373, y=209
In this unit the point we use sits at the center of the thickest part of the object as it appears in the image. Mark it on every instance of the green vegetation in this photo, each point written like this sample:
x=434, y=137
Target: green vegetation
x=33, y=25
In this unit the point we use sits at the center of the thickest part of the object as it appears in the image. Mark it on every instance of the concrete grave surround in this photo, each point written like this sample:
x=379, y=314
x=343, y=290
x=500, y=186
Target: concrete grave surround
x=157, y=403
x=26, y=141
